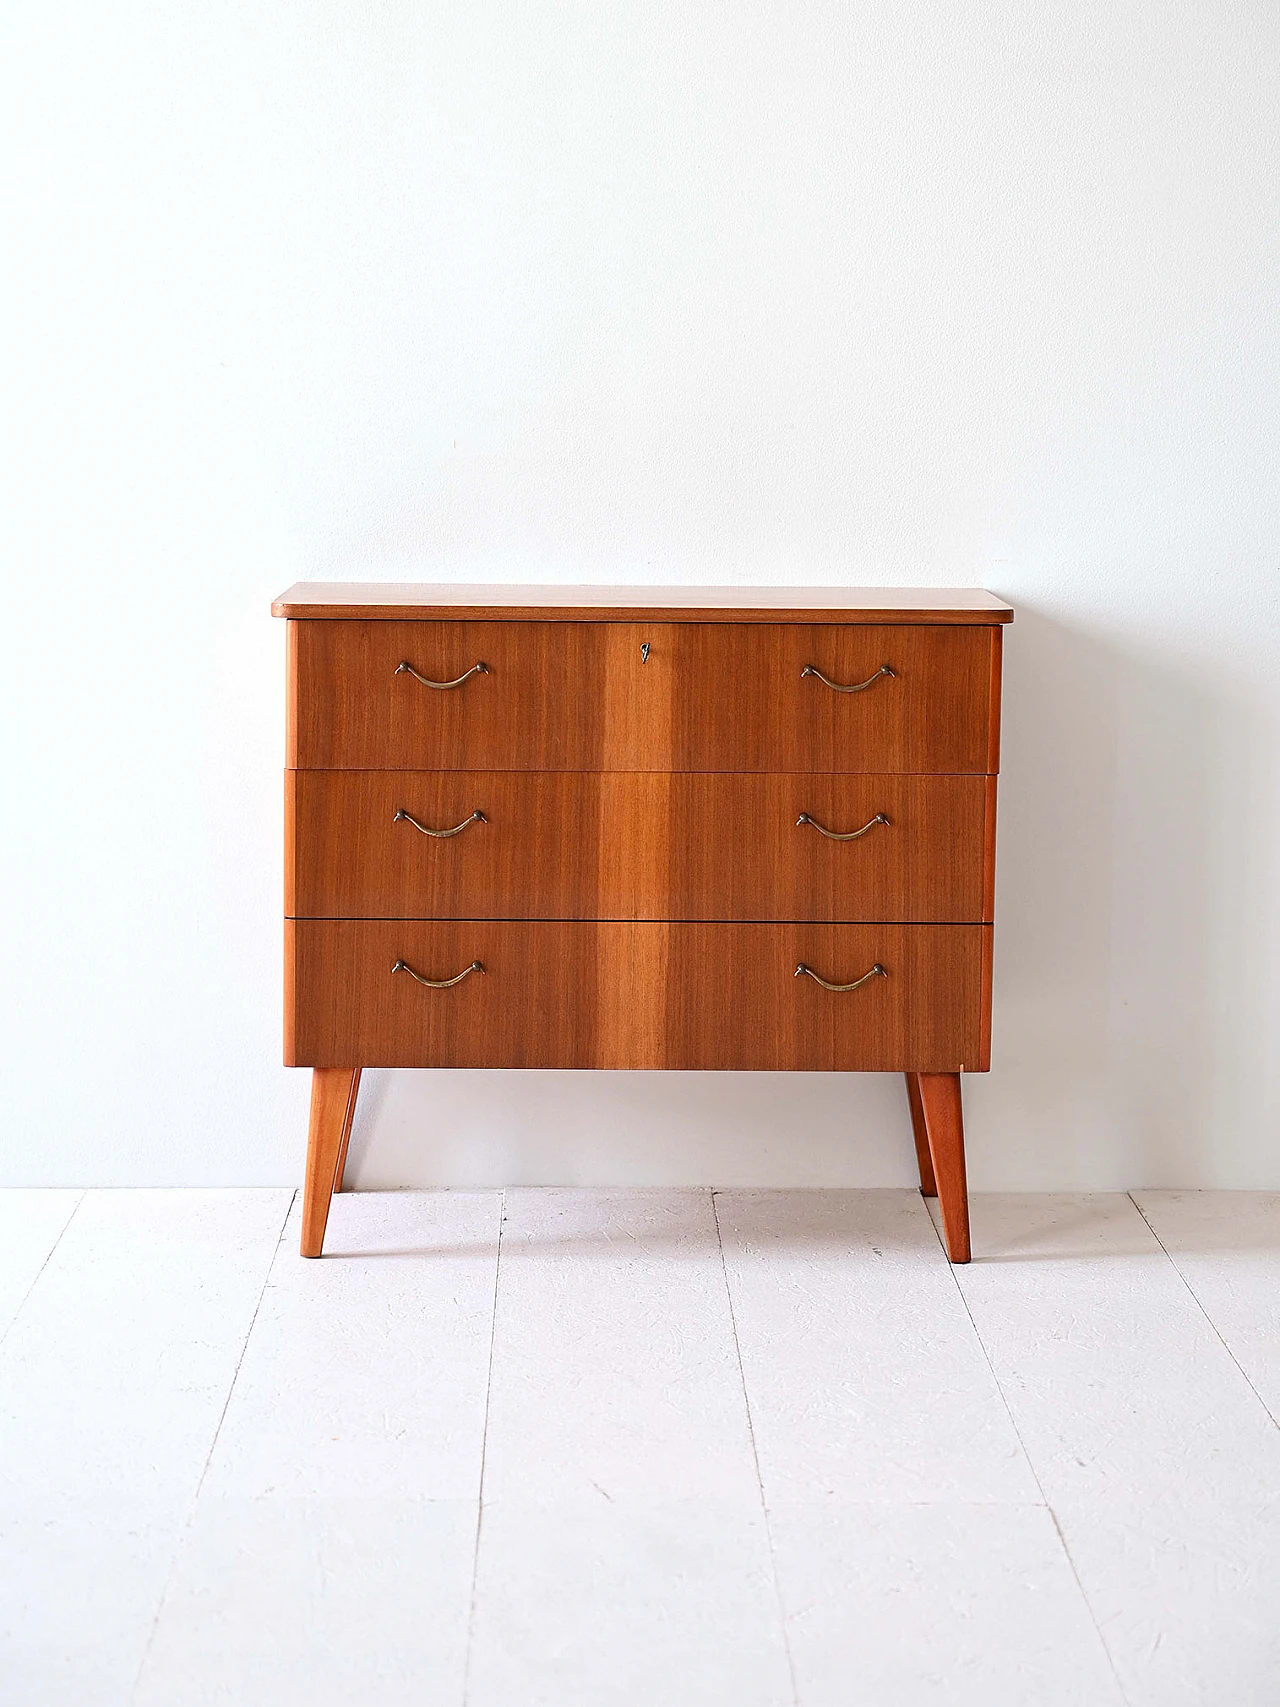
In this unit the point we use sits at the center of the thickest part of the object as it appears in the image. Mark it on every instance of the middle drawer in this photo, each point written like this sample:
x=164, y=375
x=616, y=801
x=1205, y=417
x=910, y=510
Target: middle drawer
x=637, y=845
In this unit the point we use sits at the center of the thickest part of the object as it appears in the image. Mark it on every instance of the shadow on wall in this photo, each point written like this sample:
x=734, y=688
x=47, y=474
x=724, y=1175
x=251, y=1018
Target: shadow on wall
x=1131, y=919
x=631, y=1129
x=1131, y=968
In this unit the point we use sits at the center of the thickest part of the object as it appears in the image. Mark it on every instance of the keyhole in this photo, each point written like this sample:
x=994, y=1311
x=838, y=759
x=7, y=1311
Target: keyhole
x=644, y=653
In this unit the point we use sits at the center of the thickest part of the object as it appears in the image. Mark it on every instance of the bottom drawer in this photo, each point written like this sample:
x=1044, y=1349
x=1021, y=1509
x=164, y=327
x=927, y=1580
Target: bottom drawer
x=561, y=994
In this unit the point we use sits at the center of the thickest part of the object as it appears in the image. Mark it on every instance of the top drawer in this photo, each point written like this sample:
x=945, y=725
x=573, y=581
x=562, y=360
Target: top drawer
x=589, y=696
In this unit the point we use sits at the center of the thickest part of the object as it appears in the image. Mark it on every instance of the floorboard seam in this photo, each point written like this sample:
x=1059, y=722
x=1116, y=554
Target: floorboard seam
x=244, y=1346
x=222, y=1417
x=484, y=1450
x=75, y=1210
x=755, y=1455
x=1017, y=1432
x=1199, y=1306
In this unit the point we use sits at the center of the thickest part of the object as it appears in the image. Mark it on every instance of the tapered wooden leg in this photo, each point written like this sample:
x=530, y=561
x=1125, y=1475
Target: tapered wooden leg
x=928, y=1185
x=940, y=1098
x=340, y=1174
x=332, y=1096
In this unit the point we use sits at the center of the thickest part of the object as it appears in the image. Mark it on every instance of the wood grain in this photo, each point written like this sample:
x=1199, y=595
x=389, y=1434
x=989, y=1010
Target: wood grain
x=340, y=1171
x=392, y=601
x=291, y=632
x=983, y=1062
x=920, y=1133
x=993, y=700
x=708, y=697
x=637, y=892
x=940, y=1095
x=332, y=1094
x=704, y=996
x=634, y=845
x=989, y=850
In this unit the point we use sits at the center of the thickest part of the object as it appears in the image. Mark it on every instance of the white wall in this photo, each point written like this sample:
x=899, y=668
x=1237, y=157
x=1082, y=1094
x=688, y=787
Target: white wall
x=910, y=293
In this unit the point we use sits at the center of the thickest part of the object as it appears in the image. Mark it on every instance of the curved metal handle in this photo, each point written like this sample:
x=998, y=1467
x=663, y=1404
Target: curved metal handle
x=848, y=687
x=877, y=971
x=439, y=983
x=475, y=670
x=477, y=817
x=837, y=835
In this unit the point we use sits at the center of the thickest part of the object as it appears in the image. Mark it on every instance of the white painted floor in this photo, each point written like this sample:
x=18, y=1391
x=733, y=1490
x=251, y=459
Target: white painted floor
x=638, y=1448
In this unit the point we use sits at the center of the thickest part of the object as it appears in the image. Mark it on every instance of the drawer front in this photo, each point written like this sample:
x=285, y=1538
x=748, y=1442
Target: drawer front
x=703, y=996
x=630, y=696
x=635, y=845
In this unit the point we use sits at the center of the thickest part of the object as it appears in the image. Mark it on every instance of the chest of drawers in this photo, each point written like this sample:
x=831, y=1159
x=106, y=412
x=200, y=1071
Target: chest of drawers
x=641, y=828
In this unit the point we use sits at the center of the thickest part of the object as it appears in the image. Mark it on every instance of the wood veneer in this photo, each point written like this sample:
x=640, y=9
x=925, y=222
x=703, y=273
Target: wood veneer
x=596, y=995
x=630, y=887
x=635, y=845
x=579, y=696
x=345, y=601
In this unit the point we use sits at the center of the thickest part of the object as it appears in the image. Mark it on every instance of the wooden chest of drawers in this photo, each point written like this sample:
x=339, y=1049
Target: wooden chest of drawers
x=636, y=827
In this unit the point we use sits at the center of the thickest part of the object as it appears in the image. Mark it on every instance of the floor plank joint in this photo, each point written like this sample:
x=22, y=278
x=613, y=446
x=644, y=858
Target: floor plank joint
x=735, y=1448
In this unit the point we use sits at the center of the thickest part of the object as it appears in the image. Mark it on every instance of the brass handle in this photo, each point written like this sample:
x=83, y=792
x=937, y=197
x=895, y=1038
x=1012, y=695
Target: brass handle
x=475, y=670
x=877, y=971
x=477, y=817
x=439, y=983
x=837, y=835
x=848, y=687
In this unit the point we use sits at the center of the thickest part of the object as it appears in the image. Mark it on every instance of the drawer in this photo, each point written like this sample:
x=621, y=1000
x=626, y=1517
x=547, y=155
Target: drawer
x=636, y=845
x=630, y=696
x=635, y=995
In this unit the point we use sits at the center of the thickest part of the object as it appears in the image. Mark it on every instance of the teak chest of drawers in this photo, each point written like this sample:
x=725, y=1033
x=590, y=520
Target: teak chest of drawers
x=641, y=827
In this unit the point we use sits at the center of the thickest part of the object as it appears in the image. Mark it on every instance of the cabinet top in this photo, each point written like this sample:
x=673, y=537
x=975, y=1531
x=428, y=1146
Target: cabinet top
x=410, y=601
